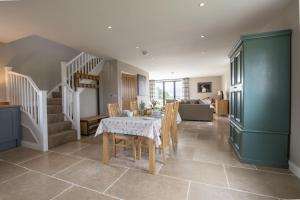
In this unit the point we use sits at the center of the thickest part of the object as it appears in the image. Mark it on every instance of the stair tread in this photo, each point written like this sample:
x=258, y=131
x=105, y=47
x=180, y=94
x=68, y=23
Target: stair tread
x=62, y=133
x=61, y=122
x=53, y=114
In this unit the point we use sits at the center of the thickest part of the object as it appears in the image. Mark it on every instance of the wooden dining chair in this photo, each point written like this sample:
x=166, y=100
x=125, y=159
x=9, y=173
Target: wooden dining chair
x=120, y=140
x=133, y=106
x=113, y=110
x=174, y=124
x=165, y=134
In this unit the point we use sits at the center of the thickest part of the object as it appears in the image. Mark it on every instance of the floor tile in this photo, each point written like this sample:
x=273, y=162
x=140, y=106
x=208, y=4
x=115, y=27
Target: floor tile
x=184, y=152
x=50, y=163
x=196, y=171
x=78, y=193
x=219, y=157
x=204, y=192
x=93, y=152
x=92, y=174
x=135, y=185
x=92, y=139
x=125, y=159
x=31, y=186
x=19, y=154
x=8, y=171
x=266, y=183
x=70, y=147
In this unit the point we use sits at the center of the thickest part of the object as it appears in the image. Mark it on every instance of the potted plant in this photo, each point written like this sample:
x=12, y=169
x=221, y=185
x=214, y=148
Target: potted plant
x=142, y=107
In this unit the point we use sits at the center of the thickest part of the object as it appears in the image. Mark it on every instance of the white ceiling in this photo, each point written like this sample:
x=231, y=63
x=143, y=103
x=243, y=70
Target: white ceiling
x=170, y=30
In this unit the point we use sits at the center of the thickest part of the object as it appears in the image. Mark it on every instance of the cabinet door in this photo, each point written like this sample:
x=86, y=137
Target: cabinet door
x=235, y=136
x=8, y=125
x=239, y=68
x=238, y=106
x=232, y=72
x=232, y=105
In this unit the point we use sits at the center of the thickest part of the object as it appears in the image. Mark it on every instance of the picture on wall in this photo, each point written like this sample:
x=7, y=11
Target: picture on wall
x=141, y=85
x=204, y=87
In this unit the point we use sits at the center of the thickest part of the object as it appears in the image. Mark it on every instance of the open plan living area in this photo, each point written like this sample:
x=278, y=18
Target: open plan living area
x=149, y=100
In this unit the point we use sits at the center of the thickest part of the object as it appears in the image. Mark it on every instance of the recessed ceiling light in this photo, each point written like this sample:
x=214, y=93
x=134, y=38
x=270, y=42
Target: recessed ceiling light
x=109, y=27
x=137, y=47
x=202, y=36
x=201, y=4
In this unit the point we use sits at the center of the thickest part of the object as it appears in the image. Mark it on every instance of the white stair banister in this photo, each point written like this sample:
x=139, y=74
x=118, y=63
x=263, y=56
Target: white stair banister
x=83, y=63
x=22, y=90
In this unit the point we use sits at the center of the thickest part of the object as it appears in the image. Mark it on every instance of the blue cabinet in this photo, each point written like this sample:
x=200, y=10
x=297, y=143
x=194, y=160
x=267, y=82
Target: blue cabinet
x=260, y=98
x=10, y=127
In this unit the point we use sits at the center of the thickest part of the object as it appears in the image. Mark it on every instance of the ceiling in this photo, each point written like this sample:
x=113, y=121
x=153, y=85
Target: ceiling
x=169, y=30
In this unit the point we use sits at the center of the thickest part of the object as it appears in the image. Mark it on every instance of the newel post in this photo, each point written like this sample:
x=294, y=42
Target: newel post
x=43, y=121
x=63, y=85
x=77, y=113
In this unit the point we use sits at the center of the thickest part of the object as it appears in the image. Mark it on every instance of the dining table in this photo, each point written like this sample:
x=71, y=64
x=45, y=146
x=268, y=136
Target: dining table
x=143, y=126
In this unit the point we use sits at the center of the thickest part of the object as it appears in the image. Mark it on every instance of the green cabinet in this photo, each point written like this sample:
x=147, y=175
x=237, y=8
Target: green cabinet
x=260, y=98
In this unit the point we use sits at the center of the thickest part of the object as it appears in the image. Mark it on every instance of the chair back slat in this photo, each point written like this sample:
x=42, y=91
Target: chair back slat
x=133, y=106
x=114, y=110
x=167, y=121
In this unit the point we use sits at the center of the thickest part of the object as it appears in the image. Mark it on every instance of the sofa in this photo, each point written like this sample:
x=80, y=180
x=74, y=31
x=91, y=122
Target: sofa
x=196, y=111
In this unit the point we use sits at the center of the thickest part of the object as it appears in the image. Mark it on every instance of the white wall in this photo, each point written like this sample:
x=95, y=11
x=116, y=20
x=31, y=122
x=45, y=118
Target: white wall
x=37, y=57
x=226, y=83
x=88, y=102
x=289, y=19
x=216, y=86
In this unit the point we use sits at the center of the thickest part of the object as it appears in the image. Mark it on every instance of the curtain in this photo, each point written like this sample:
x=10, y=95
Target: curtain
x=186, y=88
x=152, y=89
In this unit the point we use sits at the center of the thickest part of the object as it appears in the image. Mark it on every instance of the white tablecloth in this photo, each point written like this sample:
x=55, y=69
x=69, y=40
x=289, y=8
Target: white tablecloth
x=141, y=126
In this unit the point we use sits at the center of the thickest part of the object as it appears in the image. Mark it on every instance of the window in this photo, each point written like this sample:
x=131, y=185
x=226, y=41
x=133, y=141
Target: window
x=168, y=90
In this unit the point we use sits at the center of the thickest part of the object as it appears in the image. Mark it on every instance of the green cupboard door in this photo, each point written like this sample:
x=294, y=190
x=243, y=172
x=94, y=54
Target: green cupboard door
x=238, y=68
x=232, y=105
x=238, y=106
x=232, y=72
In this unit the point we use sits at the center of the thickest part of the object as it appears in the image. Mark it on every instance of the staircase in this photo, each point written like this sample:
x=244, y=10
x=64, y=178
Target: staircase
x=59, y=130
x=52, y=118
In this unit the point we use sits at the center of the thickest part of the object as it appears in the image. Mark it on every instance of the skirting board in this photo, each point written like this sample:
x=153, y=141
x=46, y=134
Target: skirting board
x=294, y=168
x=31, y=145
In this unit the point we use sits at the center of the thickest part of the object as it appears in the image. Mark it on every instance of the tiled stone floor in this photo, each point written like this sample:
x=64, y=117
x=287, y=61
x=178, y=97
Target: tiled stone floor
x=204, y=167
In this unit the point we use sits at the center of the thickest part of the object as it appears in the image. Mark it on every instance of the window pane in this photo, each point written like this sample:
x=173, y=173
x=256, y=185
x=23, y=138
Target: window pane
x=169, y=90
x=159, y=92
x=178, y=88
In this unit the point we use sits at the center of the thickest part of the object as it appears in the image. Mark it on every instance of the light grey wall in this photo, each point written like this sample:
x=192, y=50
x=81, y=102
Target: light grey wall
x=109, y=85
x=216, y=86
x=130, y=69
x=289, y=18
x=38, y=58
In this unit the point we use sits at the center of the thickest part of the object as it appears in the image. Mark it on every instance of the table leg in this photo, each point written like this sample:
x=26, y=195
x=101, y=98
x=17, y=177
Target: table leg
x=105, y=152
x=151, y=147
